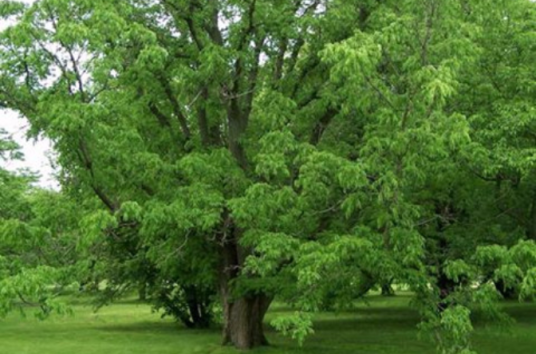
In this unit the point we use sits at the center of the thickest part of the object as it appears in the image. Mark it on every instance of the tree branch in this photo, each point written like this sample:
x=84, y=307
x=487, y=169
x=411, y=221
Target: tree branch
x=176, y=108
x=321, y=126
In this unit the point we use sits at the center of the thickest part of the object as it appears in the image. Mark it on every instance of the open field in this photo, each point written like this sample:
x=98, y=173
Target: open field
x=387, y=326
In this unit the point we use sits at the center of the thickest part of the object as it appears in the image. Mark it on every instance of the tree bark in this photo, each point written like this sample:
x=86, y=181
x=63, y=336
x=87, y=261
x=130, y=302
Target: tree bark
x=243, y=313
x=243, y=321
x=197, y=303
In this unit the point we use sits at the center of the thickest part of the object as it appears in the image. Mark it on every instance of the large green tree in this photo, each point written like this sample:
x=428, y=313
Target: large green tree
x=256, y=148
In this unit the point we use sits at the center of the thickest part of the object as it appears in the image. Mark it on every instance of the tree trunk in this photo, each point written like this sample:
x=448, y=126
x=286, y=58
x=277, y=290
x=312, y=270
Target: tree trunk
x=387, y=290
x=142, y=292
x=243, y=317
x=192, y=309
x=198, y=303
x=243, y=313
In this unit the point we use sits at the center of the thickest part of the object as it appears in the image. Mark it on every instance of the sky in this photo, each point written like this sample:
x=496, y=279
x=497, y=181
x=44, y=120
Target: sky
x=36, y=152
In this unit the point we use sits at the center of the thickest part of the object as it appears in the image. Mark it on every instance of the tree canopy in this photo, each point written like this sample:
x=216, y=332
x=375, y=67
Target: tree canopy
x=246, y=150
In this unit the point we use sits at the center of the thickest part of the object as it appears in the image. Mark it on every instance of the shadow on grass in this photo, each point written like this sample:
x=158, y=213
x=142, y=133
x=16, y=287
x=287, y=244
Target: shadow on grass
x=386, y=326
x=143, y=327
x=152, y=327
x=523, y=312
x=369, y=320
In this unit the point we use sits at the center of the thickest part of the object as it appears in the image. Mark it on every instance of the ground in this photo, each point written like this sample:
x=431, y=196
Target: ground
x=385, y=326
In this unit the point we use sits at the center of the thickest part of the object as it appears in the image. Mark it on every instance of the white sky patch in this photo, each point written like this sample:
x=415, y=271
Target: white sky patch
x=38, y=154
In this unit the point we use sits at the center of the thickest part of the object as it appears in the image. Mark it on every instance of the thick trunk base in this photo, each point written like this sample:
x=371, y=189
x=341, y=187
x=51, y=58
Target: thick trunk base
x=243, y=314
x=243, y=322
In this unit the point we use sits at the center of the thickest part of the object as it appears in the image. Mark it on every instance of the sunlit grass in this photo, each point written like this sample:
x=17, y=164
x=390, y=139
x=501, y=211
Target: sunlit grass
x=386, y=326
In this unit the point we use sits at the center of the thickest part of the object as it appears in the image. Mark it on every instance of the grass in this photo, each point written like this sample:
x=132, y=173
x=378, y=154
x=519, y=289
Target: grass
x=387, y=326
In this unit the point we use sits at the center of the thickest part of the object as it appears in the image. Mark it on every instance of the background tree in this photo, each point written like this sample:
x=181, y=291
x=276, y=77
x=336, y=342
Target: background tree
x=38, y=236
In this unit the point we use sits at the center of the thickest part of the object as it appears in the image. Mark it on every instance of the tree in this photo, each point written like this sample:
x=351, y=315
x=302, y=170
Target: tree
x=37, y=240
x=155, y=113
x=255, y=148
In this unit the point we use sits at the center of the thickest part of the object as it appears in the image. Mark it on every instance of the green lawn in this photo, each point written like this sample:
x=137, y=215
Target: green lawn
x=386, y=326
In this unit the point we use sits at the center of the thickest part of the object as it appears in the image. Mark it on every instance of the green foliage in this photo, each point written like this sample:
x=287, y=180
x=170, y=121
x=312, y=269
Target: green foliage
x=38, y=233
x=261, y=148
x=297, y=326
x=456, y=323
